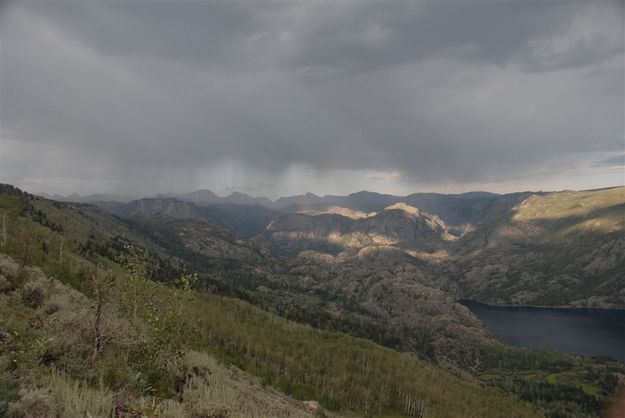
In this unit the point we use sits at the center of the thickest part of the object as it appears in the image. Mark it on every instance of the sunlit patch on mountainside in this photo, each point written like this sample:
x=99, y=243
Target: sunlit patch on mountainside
x=568, y=204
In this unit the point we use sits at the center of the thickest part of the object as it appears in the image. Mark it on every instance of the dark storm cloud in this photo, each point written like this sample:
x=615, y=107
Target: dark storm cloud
x=356, y=36
x=160, y=93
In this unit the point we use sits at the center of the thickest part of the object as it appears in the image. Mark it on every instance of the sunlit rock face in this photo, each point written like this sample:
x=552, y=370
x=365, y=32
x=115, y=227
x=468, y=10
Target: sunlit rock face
x=399, y=225
x=348, y=213
x=406, y=208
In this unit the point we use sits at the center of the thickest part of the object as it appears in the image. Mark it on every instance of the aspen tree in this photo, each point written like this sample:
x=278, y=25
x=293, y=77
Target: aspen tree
x=4, y=230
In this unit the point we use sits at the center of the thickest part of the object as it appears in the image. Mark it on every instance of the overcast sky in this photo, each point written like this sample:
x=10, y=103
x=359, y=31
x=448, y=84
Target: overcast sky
x=280, y=98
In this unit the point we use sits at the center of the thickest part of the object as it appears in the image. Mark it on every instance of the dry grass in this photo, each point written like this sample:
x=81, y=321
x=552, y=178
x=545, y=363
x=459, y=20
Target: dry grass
x=56, y=395
x=209, y=388
x=214, y=390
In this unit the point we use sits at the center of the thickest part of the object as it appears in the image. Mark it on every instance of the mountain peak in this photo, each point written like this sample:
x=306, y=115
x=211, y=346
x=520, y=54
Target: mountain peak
x=404, y=207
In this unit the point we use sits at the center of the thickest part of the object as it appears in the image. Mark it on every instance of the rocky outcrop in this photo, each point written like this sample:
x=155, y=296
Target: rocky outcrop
x=336, y=210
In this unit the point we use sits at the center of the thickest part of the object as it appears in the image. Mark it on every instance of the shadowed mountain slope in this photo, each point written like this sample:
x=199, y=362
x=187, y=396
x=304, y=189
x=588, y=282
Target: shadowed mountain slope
x=242, y=220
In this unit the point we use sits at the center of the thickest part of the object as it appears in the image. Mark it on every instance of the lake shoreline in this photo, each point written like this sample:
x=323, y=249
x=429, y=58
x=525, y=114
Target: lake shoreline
x=537, y=306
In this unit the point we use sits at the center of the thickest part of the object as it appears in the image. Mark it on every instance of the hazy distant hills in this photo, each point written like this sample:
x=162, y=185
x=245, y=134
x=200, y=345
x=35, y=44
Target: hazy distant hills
x=241, y=220
x=457, y=210
x=206, y=197
x=96, y=197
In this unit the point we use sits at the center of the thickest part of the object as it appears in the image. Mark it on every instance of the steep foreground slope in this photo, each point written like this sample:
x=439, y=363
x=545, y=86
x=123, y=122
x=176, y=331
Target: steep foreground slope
x=47, y=368
x=149, y=350
x=359, y=295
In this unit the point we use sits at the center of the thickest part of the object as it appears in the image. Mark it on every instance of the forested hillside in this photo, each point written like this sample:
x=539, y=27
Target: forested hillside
x=564, y=248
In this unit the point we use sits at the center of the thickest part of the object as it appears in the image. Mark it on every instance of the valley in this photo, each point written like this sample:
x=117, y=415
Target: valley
x=270, y=291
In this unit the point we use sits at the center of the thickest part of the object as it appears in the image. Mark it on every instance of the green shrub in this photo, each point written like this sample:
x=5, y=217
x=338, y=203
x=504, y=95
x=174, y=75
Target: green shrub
x=32, y=296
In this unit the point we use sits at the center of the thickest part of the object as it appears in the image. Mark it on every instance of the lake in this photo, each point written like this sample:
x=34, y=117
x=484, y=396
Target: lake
x=588, y=332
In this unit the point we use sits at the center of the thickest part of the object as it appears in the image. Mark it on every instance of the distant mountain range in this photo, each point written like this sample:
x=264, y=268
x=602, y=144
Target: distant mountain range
x=247, y=216
x=457, y=210
x=365, y=200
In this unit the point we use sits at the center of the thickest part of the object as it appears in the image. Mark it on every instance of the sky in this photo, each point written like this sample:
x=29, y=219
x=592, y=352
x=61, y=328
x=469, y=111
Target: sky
x=285, y=97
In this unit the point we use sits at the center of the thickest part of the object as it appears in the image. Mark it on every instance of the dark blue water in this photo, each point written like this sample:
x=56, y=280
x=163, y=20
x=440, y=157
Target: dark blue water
x=587, y=332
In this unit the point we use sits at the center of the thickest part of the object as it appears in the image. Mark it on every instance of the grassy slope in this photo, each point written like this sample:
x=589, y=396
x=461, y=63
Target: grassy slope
x=571, y=205
x=45, y=367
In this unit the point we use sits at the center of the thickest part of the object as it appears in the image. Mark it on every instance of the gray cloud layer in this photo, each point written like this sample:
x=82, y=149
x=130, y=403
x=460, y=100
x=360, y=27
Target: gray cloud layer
x=161, y=94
